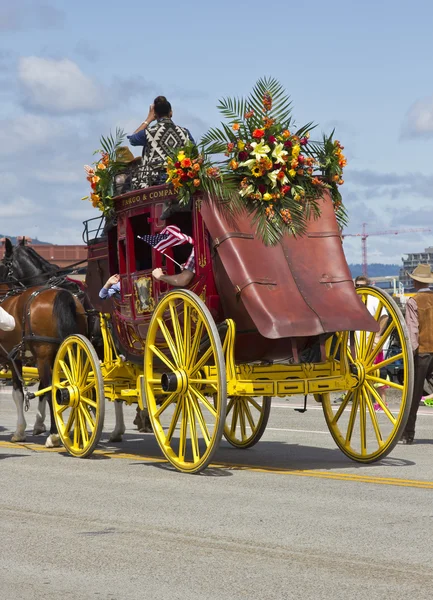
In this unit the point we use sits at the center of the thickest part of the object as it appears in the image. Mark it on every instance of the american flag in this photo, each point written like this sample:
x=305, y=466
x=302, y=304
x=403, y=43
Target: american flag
x=170, y=236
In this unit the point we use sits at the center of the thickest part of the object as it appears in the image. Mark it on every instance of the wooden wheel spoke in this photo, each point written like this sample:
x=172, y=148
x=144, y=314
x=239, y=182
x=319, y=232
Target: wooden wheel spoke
x=391, y=384
x=89, y=401
x=363, y=423
x=192, y=429
x=230, y=405
x=384, y=363
x=255, y=404
x=203, y=360
x=183, y=430
x=66, y=371
x=88, y=417
x=381, y=403
x=162, y=357
x=242, y=419
x=187, y=333
x=61, y=408
x=378, y=347
x=174, y=420
x=204, y=401
x=195, y=346
x=235, y=417
x=373, y=417
x=352, y=417
x=72, y=364
x=342, y=407
x=83, y=428
x=170, y=342
x=337, y=345
x=84, y=374
x=167, y=402
x=76, y=431
x=177, y=332
x=201, y=421
x=70, y=421
x=248, y=413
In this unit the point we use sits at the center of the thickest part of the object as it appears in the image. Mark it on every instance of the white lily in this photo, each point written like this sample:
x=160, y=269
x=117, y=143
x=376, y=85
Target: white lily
x=248, y=163
x=272, y=175
x=260, y=149
x=279, y=154
x=246, y=191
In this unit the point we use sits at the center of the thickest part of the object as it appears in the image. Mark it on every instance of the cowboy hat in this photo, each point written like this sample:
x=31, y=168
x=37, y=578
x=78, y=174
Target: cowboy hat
x=125, y=156
x=422, y=273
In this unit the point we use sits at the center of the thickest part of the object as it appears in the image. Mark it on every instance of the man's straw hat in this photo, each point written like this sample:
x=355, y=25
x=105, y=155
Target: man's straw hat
x=124, y=155
x=422, y=273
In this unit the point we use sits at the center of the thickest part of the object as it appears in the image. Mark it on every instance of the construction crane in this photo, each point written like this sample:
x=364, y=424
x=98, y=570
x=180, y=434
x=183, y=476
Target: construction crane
x=364, y=235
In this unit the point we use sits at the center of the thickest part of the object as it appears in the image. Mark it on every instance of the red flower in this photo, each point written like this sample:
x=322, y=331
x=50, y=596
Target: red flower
x=285, y=189
x=184, y=177
x=301, y=159
x=281, y=175
x=258, y=133
x=177, y=164
x=262, y=189
x=288, y=144
x=272, y=139
x=304, y=141
x=243, y=156
x=276, y=167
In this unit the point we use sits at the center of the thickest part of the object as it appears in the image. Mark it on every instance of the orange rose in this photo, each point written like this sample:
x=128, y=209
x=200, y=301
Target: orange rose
x=196, y=182
x=300, y=171
x=235, y=126
x=191, y=174
x=258, y=133
x=186, y=163
x=196, y=167
x=233, y=165
x=101, y=166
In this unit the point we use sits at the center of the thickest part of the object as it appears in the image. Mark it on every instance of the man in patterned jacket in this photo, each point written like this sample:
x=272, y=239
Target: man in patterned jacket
x=158, y=141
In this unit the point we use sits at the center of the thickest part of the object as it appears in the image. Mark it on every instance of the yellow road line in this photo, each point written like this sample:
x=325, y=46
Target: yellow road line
x=414, y=483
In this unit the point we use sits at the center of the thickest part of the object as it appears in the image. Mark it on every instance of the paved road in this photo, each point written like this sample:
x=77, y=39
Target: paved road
x=299, y=520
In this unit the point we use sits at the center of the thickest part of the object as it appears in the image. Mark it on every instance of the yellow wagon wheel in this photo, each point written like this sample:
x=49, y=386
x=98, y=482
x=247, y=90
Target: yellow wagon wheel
x=78, y=396
x=185, y=380
x=371, y=417
x=246, y=420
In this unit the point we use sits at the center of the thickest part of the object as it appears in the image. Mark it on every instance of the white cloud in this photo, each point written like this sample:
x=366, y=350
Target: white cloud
x=19, y=207
x=26, y=131
x=58, y=86
x=419, y=119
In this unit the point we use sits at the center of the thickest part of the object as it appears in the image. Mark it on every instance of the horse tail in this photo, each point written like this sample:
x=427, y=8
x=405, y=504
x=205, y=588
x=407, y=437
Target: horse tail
x=65, y=314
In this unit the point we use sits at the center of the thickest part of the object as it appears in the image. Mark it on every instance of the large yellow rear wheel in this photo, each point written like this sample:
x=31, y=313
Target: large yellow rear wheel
x=246, y=420
x=185, y=381
x=78, y=396
x=369, y=419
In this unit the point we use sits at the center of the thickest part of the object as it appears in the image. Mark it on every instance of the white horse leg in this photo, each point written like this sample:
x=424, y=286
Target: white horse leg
x=40, y=416
x=119, y=428
x=20, y=433
x=53, y=441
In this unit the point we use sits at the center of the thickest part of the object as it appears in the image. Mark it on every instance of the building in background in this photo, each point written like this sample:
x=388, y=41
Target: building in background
x=412, y=261
x=61, y=255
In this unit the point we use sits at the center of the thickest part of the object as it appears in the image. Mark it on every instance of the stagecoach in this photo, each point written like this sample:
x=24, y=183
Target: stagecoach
x=255, y=323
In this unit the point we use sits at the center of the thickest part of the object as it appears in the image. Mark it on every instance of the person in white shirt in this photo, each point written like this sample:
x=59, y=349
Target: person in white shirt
x=7, y=322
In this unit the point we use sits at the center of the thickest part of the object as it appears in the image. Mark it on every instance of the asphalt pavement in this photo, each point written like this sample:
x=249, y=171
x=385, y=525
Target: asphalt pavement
x=290, y=518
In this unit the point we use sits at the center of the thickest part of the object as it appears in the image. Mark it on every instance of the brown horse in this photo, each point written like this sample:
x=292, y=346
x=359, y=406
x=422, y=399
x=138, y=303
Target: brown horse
x=43, y=317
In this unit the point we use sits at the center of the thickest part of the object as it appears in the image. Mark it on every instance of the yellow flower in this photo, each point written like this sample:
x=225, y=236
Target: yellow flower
x=292, y=172
x=267, y=196
x=101, y=166
x=181, y=155
x=241, y=145
x=279, y=153
x=256, y=171
x=296, y=150
x=297, y=197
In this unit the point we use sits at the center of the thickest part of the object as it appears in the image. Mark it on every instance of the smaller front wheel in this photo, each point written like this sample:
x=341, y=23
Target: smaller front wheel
x=78, y=396
x=246, y=420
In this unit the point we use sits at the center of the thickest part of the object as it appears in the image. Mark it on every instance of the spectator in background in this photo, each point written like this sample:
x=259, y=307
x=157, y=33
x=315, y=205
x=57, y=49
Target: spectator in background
x=419, y=320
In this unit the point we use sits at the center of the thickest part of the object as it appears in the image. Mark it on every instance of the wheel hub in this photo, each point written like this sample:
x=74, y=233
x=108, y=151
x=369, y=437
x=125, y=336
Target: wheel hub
x=358, y=370
x=69, y=396
x=176, y=381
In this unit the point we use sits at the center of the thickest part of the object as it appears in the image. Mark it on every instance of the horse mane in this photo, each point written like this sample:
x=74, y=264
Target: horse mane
x=36, y=259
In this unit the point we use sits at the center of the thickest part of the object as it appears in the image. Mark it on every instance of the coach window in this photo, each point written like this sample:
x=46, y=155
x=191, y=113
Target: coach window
x=142, y=259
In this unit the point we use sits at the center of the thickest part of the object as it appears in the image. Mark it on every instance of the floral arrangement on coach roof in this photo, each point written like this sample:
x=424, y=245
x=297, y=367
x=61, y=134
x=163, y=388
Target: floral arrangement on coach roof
x=190, y=171
x=271, y=169
x=103, y=171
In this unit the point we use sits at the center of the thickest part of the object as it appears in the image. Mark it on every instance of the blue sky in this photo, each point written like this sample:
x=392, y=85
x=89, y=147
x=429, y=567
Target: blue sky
x=71, y=71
